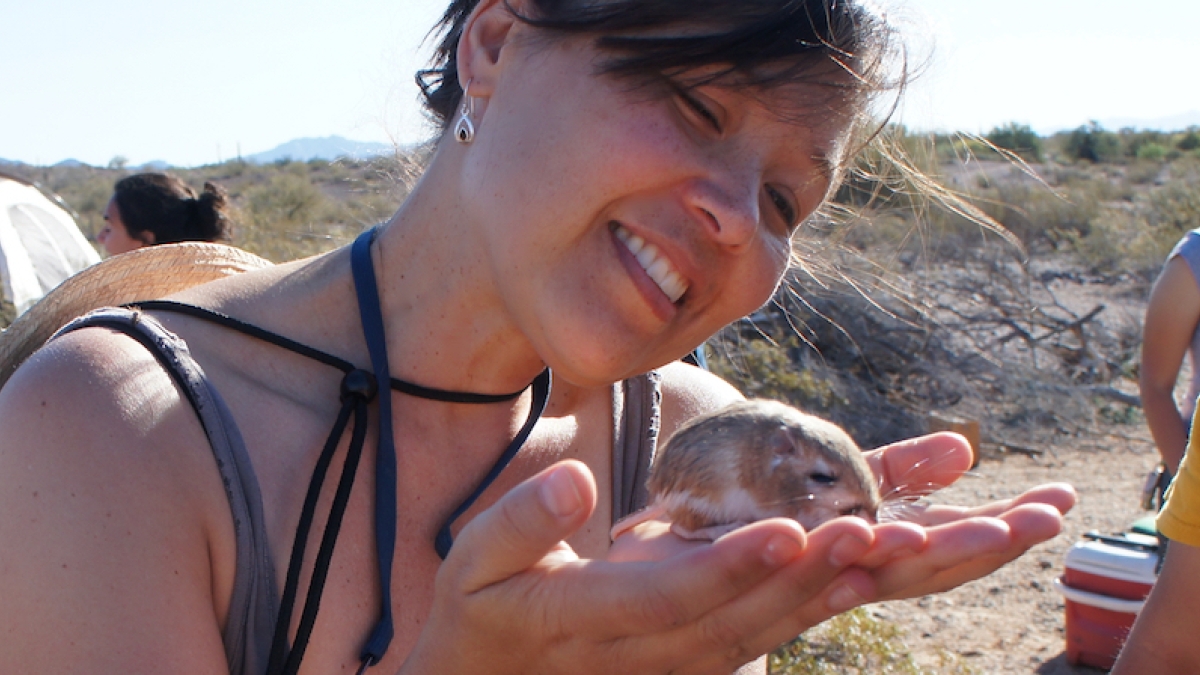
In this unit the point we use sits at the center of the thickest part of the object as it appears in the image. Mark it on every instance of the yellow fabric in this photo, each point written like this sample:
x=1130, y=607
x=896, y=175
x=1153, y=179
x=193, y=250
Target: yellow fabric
x=1180, y=517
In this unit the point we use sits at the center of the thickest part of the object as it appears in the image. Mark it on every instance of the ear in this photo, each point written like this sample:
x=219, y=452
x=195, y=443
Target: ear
x=147, y=238
x=485, y=34
x=781, y=442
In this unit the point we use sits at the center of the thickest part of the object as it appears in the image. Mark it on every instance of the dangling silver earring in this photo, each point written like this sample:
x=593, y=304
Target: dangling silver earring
x=464, y=128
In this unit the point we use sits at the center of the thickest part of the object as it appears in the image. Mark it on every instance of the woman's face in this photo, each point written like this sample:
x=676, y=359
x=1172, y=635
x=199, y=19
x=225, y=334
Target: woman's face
x=625, y=227
x=114, y=237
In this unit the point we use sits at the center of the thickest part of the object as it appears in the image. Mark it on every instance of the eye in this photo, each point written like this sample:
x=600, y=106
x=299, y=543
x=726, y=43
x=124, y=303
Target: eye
x=822, y=478
x=699, y=108
x=784, y=206
x=852, y=511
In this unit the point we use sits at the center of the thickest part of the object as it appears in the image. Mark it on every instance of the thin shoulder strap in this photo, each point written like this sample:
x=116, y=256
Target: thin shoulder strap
x=254, y=602
x=637, y=404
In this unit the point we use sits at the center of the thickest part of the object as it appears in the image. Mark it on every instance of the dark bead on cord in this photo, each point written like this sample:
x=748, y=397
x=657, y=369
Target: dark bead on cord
x=359, y=383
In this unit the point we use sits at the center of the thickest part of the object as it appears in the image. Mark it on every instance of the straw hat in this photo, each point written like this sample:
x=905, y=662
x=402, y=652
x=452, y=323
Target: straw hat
x=142, y=274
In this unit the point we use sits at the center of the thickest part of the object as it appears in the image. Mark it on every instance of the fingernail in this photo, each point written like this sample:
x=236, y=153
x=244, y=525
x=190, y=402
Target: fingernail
x=847, y=550
x=844, y=598
x=559, y=495
x=781, y=551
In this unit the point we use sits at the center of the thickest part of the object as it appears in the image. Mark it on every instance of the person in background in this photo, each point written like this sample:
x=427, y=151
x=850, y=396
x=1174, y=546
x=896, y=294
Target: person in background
x=1170, y=331
x=1163, y=638
x=158, y=208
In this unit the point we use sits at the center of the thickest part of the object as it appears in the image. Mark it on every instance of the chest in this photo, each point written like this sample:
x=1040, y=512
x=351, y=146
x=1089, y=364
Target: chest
x=438, y=464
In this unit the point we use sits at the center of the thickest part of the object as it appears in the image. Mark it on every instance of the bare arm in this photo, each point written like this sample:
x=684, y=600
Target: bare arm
x=1171, y=319
x=106, y=566
x=1163, y=640
x=689, y=391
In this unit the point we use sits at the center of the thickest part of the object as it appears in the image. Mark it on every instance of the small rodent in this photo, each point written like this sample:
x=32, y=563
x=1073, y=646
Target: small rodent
x=753, y=460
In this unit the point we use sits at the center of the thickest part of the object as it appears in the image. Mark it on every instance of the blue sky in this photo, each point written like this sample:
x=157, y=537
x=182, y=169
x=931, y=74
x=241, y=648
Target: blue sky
x=194, y=83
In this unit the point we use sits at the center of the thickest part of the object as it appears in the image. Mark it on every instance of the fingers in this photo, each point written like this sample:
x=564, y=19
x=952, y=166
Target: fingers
x=967, y=549
x=690, y=584
x=523, y=527
x=796, y=596
x=1058, y=496
x=921, y=465
x=809, y=591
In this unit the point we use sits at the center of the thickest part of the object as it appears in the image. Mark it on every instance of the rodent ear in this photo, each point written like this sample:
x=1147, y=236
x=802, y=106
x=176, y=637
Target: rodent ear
x=781, y=442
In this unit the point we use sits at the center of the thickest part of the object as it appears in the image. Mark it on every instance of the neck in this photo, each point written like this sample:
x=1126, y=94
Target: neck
x=446, y=326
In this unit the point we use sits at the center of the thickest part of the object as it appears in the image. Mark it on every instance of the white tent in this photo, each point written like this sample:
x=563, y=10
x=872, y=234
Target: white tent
x=40, y=244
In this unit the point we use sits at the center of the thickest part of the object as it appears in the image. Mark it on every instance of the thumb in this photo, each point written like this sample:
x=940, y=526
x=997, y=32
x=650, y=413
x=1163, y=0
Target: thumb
x=524, y=526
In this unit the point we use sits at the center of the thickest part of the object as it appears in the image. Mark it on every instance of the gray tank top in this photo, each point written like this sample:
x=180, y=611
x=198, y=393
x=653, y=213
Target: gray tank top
x=255, y=601
x=1188, y=248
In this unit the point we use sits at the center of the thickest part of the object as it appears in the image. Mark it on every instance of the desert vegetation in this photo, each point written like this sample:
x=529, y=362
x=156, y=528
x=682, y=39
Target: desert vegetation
x=1010, y=296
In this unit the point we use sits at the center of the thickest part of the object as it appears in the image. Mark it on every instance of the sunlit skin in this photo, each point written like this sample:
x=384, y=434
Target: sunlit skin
x=114, y=236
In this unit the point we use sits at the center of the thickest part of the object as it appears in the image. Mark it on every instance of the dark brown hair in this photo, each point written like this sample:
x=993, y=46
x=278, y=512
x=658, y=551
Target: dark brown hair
x=167, y=207
x=761, y=43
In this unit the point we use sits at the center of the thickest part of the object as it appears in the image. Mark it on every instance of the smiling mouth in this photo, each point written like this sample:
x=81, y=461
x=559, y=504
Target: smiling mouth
x=656, y=265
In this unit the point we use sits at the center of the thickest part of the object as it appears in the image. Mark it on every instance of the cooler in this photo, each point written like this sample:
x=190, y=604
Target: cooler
x=1105, y=583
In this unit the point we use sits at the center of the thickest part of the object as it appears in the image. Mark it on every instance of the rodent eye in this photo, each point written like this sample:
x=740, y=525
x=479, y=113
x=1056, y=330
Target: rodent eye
x=822, y=478
x=852, y=511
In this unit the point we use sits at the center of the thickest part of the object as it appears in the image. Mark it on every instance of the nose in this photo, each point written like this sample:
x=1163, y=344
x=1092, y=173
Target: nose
x=728, y=203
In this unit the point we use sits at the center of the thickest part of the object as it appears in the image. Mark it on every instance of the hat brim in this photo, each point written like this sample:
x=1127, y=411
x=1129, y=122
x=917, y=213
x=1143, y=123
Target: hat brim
x=142, y=274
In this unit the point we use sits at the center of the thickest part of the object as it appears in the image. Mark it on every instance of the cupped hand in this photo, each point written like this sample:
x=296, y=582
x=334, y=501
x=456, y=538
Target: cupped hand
x=513, y=598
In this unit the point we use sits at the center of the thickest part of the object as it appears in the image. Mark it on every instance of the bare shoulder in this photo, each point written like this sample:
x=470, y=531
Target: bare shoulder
x=689, y=391
x=103, y=481
x=1175, y=285
x=1173, y=310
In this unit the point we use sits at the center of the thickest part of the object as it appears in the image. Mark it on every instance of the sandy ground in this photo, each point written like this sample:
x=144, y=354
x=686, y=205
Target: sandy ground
x=1012, y=622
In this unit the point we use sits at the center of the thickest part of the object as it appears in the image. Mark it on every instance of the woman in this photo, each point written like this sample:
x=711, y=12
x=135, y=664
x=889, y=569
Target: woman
x=158, y=208
x=616, y=182
x=1169, y=332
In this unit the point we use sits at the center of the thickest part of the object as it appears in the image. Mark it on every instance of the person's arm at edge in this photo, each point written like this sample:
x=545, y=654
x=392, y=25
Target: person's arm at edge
x=1171, y=317
x=1163, y=639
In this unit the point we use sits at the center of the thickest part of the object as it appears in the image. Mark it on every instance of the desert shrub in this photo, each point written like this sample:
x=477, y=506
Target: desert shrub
x=285, y=217
x=1136, y=236
x=1118, y=240
x=1019, y=139
x=763, y=368
x=285, y=200
x=1151, y=151
x=1144, y=143
x=86, y=192
x=8, y=313
x=1093, y=143
x=853, y=642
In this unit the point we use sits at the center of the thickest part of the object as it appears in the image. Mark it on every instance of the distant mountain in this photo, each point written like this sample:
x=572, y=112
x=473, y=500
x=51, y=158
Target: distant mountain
x=1171, y=123
x=328, y=148
x=71, y=163
x=155, y=165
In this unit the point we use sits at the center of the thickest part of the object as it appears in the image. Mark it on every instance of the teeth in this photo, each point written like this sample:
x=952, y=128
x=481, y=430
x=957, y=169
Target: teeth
x=656, y=265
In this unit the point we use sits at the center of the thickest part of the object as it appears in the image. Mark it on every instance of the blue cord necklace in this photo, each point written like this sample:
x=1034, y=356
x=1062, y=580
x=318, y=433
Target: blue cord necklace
x=359, y=387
